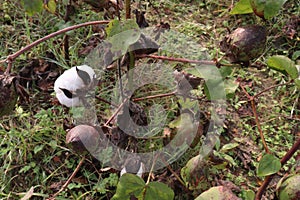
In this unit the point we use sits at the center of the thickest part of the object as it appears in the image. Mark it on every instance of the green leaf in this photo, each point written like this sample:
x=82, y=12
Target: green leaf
x=228, y=147
x=268, y=165
x=180, y=121
x=272, y=7
x=50, y=6
x=296, y=55
x=230, y=87
x=38, y=148
x=115, y=27
x=248, y=194
x=242, y=7
x=225, y=71
x=121, y=36
x=157, y=190
x=284, y=65
x=194, y=173
x=32, y=6
x=128, y=185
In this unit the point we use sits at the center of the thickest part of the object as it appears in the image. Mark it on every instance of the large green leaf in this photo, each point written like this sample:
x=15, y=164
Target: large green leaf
x=242, y=7
x=157, y=190
x=115, y=27
x=214, y=84
x=33, y=6
x=132, y=185
x=50, y=6
x=268, y=165
x=284, y=65
x=128, y=185
x=230, y=87
x=120, y=36
x=272, y=7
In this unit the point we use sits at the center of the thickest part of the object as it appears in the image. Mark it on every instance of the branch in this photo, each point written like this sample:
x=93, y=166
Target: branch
x=271, y=87
x=283, y=160
x=183, y=60
x=154, y=96
x=127, y=9
x=116, y=112
x=13, y=56
x=252, y=100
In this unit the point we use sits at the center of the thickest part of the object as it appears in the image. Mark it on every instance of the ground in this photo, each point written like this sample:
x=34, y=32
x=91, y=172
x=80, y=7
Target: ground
x=34, y=152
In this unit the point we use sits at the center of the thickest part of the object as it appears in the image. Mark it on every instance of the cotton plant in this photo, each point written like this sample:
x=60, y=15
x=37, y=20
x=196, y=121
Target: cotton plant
x=73, y=85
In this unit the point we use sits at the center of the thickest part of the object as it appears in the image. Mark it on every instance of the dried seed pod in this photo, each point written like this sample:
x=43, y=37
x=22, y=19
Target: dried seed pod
x=244, y=43
x=83, y=138
x=288, y=187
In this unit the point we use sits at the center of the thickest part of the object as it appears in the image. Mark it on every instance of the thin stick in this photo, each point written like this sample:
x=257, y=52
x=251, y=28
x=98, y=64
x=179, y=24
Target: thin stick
x=13, y=56
x=105, y=101
x=127, y=9
x=173, y=172
x=271, y=87
x=183, y=60
x=283, y=161
x=154, y=96
x=251, y=98
x=152, y=167
x=69, y=179
x=116, y=112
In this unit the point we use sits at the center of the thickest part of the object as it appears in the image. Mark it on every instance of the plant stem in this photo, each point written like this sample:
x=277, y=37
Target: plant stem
x=154, y=96
x=258, y=126
x=252, y=100
x=183, y=60
x=13, y=56
x=271, y=87
x=283, y=160
x=116, y=112
x=127, y=9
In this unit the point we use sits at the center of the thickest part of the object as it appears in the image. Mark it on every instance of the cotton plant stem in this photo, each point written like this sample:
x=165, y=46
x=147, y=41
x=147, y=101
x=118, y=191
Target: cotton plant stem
x=271, y=87
x=283, y=161
x=252, y=100
x=127, y=9
x=116, y=112
x=259, y=127
x=154, y=96
x=182, y=60
x=173, y=172
x=13, y=56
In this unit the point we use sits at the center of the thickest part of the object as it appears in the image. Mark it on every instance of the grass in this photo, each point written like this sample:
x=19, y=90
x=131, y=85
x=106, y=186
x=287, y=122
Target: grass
x=33, y=152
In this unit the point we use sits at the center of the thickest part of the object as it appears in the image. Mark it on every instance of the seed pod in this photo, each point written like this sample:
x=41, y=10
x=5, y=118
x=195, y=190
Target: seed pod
x=288, y=187
x=83, y=138
x=244, y=43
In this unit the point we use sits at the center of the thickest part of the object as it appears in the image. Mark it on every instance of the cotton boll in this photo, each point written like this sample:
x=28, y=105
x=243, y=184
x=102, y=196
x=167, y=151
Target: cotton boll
x=69, y=83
